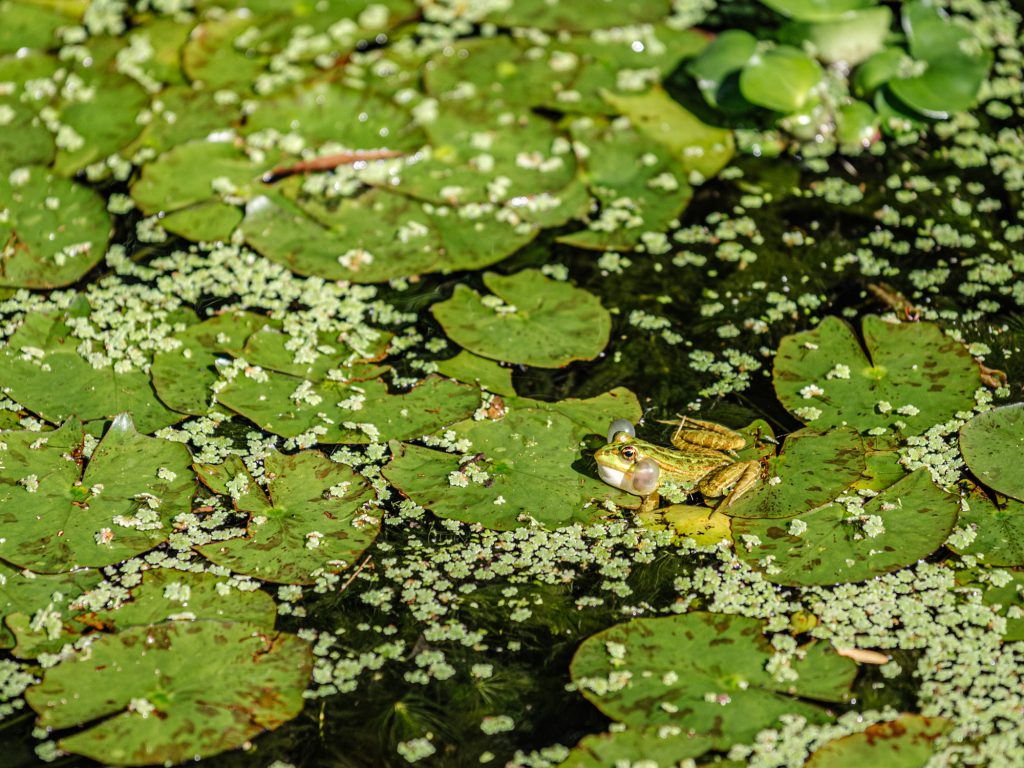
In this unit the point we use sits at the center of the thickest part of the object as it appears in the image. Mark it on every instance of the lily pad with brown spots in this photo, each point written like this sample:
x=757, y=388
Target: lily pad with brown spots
x=27, y=593
x=992, y=444
x=906, y=742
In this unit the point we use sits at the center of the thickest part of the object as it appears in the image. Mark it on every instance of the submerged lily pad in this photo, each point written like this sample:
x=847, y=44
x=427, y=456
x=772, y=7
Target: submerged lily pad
x=704, y=672
x=53, y=230
x=27, y=592
x=833, y=545
x=659, y=746
x=992, y=444
x=314, y=521
x=520, y=470
x=56, y=518
x=531, y=319
x=912, y=373
x=906, y=742
x=174, y=692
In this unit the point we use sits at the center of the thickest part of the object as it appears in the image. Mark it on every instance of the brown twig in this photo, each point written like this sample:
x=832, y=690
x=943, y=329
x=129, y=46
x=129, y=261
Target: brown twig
x=355, y=573
x=329, y=163
x=895, y=300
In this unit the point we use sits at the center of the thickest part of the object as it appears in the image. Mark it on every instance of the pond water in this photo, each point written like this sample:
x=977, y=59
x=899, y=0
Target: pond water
x=314, y=315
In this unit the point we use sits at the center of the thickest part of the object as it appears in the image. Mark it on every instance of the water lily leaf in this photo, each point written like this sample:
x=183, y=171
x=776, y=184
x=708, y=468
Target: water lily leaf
x=998, y=529
x=163, y=595
x=877, y=71
x=1003, y=589
x=232, y=478
x=27, y=592
x=54, y=230
x=703, y=672
x=850, y=38
x=211, y=58
x=531, y=319
x=174, y=692
x=44, y=372
x=912, y=373
x=857, y=126
x=521, y=471
x=57, y=518
x=992, y=444
x=640, y=186
x=705, y=526
x=657, y=745
x=812, y=469
x=473, y=369
x=697, y=145
x=593, y=413
x=577, y=15
x=780, y=79
x=187, y=114
x=317, y=522
x=817, y=10
x=717, y=69
x=903, y=524
x=330, y=356
x=30, y=25
x=906, y=742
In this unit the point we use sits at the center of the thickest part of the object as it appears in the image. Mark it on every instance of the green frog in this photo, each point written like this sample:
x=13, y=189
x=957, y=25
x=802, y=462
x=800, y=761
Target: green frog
x=703, y=459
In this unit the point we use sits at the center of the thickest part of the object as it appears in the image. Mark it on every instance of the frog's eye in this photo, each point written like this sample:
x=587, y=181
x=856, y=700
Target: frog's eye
x=629, y=453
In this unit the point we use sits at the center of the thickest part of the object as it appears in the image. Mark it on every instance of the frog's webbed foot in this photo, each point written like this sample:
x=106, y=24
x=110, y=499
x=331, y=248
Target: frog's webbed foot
x=649, y=503
x=707, y=434
x=741, y=477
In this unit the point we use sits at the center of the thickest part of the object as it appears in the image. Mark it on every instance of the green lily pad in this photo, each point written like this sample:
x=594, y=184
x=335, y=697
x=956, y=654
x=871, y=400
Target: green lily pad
x=992, y=444
x=519, y=469
x=593, y=413
x=174, y=692
x=473, y=369
x=697, y=145
x=316, y=521
x=531, y=319
x=896, y=528
x=998, y=529
x=906, y=742
x=27, y=592
x=812, y=469
x=54, y=232
x=877, y=71
x=57, y=518
x=163, y=595
x=659, y=746
x=43, y=371
x=912, y=373
x=184, y=114
x=577, y=15
x=1008, y=595
x=817, y=10
x=25, y=140
x=705, y=526
x=717, y=69
x=850, y=38
x=780, y=79
x=640, y=186
x=857, y=126
x=704, y=672
x=30, y=25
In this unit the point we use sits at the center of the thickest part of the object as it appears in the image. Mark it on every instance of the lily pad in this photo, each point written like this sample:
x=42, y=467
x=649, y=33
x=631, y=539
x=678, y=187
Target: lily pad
x=520, y=469
x=992, y=444
x=912, y=373
x=54, y=230
x=577, y=15
x=25, y=140
x=473, y=369
x=315, y=521
x=27, y=592
x=1002, y=589
x=704, y=672
x=659, y=746
x=174, y=692
x=998, y=529
x=906, y=522
x=43, y=371
x=817, y=10
x=593, y=413
x=57, y=518
x=780, y=79
x=531, y=319
x=30, y=25
x=850, y=38
x=906, y=742
x=705, y=526
x=812, y=469
x=717, y=69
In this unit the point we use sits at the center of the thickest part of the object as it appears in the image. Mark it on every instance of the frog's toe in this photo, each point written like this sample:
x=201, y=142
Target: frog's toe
x=741, y=477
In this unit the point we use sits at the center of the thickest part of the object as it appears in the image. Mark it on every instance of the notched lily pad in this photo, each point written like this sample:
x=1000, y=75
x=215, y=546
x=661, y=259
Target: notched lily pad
x=56, y=518
x=992, y=444
x=659, y=746
x=998, y=527
x=704, y=672
x=906, y=742
x=174, y=692
x=27, y=592
x=531, y=319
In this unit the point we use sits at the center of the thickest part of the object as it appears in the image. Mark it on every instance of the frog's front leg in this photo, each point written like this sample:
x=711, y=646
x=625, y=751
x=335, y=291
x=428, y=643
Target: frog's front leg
x=741, y=477
x=650, y=503
x=706, y=434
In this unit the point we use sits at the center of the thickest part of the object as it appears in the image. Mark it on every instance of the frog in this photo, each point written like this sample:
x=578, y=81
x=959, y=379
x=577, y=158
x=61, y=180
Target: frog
x=704, y=459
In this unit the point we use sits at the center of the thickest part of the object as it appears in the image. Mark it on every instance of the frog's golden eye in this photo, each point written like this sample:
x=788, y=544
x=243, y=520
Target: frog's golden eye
x=629, y=453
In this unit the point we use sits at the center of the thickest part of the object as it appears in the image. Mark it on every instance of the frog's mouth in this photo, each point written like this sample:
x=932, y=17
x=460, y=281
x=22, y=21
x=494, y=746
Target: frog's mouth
x=614, y=477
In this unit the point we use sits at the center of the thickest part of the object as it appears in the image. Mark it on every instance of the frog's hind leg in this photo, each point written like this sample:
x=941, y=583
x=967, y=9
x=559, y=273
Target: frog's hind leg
x=707, y=434
x=741, y=477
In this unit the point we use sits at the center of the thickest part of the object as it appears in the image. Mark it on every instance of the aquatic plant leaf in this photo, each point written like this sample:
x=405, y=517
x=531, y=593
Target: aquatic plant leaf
x=992, y=444
x=593, y=413
x=54, y=230
x=576, y=15
x=705, y=526
x=473, y=369
x=906, y=742
x=174, y=692
x=698, y=146
x=641, y=187
x=30, y=25
x=914, y=518
x=317, y=522
x=27, y=593
x=877, y=71
x=850, y=38
x=912, y=373
x=780, y=79
x=60, y=383
x=717, y=69
x=703, y=672
x=1003, y=589
x=817, y=10
x=57, y=518
x=998, y=529
x=163, y=595
x=812, y=469
x=531, y=319
x=522, y=472
x=232, y=478
x=608, y=750
x=25, y=139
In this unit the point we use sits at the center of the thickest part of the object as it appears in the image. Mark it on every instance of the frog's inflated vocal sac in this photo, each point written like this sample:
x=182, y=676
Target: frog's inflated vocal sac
x=702, y=459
